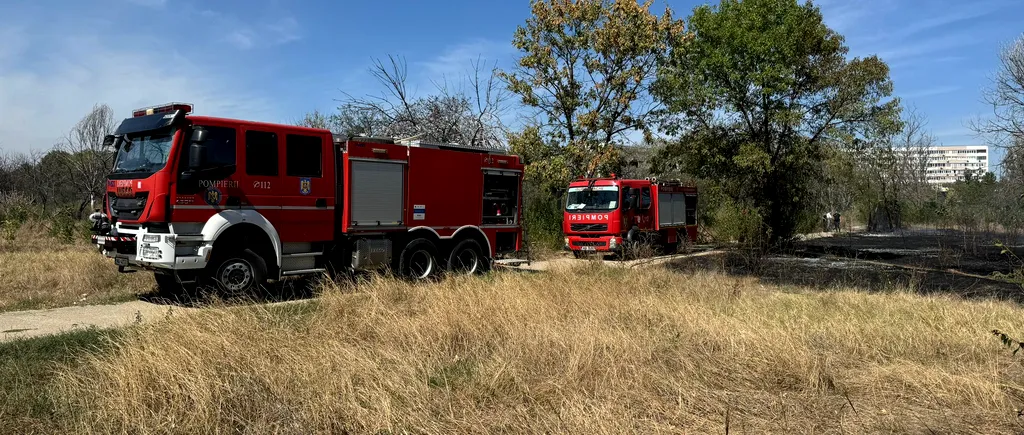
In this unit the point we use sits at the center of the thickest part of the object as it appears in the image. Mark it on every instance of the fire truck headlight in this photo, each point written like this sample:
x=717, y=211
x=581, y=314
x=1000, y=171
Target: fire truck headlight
x=151, y=238
x=613, y=242
x=566, y=241
x=151, y=253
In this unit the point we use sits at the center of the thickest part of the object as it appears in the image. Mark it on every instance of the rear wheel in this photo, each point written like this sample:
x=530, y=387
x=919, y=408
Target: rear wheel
x=418, y=260
x=467, y=258
x=239, y=272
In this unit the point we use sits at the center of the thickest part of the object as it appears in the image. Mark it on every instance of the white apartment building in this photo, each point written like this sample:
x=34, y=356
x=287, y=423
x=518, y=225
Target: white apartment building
x=946, y=164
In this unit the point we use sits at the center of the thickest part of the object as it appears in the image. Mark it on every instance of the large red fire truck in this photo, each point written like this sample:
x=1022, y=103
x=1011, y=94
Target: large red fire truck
x=610, y=214
x=233, y=203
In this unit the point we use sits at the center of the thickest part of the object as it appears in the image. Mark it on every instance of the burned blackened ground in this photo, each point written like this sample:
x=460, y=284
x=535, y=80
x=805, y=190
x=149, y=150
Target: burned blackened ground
x=924, y=261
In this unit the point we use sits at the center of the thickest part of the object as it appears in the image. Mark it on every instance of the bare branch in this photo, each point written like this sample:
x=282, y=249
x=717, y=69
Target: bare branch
x=466, y=111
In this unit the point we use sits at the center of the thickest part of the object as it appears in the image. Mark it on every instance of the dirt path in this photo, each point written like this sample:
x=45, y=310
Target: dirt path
x=33, y=323
x=20, y=324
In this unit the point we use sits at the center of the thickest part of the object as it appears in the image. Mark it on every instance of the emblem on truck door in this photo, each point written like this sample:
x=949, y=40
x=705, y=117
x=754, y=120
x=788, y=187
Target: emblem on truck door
x=304, y=186
x=212, y=196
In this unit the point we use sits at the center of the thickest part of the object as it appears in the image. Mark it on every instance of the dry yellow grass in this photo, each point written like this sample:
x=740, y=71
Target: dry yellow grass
x=584, y=350
x=60, y=275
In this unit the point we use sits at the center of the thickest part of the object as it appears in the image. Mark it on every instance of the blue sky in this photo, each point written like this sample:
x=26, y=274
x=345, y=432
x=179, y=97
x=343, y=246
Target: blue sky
x=274, y=60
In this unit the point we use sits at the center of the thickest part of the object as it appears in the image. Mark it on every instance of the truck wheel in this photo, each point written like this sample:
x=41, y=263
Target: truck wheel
x=418, y=260
x=467, y=258
x=239, y=272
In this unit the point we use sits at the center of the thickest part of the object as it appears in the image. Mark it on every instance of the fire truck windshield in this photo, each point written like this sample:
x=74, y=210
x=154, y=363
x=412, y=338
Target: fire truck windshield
x=597, y=198
x=144, y=152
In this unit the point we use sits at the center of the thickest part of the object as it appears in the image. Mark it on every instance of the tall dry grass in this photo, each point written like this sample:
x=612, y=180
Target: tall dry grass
x=588, y=350
x=46, y=274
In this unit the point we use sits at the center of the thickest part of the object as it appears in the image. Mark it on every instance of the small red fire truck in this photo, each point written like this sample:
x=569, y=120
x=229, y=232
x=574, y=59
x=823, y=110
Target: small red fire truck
x=608, y=214
x=231, y=203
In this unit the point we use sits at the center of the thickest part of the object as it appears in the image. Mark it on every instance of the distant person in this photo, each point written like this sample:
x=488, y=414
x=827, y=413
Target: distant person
x=837, y=221
x=828, y=221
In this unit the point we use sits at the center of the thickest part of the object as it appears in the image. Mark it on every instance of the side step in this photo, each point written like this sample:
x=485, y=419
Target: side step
x=302, y=254
x=303, y=272
x=511, y=262
x=299, y=263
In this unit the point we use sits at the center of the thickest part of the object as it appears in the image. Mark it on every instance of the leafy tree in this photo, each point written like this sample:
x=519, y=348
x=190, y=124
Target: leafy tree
x=585, y=69
x=755, y=95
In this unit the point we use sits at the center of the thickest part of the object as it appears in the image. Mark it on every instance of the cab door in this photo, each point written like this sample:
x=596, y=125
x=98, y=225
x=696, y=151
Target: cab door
x=262, y=171
x=645, y=215
x=307, y=188
x=202, y=192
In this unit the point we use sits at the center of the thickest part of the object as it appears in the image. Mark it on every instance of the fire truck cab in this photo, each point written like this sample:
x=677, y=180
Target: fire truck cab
x=609, y=214
x=232, y=203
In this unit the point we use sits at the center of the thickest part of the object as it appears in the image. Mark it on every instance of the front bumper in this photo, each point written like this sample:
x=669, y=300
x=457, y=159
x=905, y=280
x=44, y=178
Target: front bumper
x=139, y=248
x=593, y=243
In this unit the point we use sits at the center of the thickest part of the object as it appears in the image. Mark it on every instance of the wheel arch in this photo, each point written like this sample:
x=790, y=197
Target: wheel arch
x=475, y=233
x=250, y=226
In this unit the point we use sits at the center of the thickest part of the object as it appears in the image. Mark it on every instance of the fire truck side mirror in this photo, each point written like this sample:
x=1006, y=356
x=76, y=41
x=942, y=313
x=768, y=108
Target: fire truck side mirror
x=199, y=135
x=196, y=156
x=197, y=151
x=108, y=141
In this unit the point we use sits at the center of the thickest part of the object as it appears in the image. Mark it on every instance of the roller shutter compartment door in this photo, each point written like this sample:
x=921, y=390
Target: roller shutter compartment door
x=377, y=194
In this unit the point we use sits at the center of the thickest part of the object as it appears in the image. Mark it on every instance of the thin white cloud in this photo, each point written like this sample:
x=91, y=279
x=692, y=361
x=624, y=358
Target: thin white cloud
x=149, y=3
x=248, y=34
x=956, y=135
x=929, y=92
x=903, y=32
x=285, y=30
x=921, y=48
x=458, y=59
x=240, y=38
x=845, y=16
x=61, y=87
x=15, y=41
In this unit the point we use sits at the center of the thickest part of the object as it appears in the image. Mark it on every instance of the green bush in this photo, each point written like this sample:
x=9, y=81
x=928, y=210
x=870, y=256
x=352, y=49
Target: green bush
x=63, y=226
x=543, y=218
x=736, y=222
x=15, y=211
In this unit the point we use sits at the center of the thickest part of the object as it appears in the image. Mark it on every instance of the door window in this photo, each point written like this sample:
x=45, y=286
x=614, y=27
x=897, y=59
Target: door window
x=261, y=153
x=304, y=156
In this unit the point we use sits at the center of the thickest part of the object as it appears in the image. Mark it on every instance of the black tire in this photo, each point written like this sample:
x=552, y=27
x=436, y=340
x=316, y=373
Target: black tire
x=238, y=273
x=578, y=254
x=467, y=258
x=418, y=260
